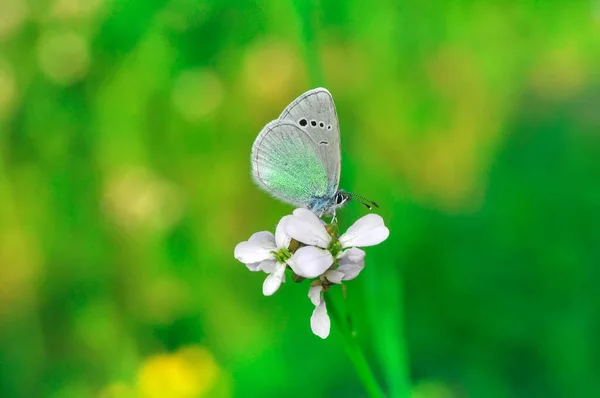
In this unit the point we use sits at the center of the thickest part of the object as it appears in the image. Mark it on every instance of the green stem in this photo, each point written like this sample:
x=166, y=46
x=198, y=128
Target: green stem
x=308, y=18
x=385, y=302
x=357, y=357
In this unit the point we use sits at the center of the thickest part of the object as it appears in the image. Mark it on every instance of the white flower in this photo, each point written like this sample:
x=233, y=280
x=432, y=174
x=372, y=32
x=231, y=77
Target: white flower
x=326, y=257
x=306, y=227
x=268, y=253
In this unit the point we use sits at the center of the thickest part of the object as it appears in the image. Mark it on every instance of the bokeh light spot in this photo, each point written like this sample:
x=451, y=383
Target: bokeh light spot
x=190, y=372
x=12, y=16
x=337, y=57
x=136, y=198
x=64, y=57
x=560, y=73
x=197, y=94
x=22, y=261
x=117, y=390
x=270, y=68
x=75, y=9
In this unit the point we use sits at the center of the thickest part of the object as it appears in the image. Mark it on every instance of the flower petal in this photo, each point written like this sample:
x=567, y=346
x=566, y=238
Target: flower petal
x=353, y=255
x=314, y=294
x=334, y=276
x=352, y=263
x=306, y=227
x=282, y=239
x=264, y=239
x=254, y=267
x=319, y=321
x=256, y=249
x=268, y=266
x=366, y=231
x=310, y=262
x=273, y=281
x=248, y=253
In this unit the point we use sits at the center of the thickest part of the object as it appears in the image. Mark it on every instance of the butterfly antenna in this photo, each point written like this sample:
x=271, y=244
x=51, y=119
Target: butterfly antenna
x=369, y=204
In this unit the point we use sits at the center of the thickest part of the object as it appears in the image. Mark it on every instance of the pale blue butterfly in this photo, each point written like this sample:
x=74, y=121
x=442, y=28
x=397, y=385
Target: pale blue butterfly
x=296, y=158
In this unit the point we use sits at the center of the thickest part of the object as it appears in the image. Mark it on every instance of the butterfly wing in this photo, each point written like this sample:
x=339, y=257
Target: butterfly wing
x=314, y=113
x=285, y=163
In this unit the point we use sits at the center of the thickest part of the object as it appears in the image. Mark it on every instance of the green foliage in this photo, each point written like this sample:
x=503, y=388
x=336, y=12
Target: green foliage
x=125, y=136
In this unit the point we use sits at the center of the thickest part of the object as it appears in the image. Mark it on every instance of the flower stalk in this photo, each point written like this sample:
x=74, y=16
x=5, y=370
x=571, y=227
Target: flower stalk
x=354, y=351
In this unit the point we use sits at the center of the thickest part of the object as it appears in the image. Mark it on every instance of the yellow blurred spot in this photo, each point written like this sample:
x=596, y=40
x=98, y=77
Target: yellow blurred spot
x=560, y=72
x=197, y=94
x=136, y=198
x=64, y=57
x=20, y=259
x=446, y=165
x=12, y=16
x=336, y=58
x=431, y=389
x=270, y=69
x=117, y=390
x=75, y=9
x=190, y=372
x=8, y=87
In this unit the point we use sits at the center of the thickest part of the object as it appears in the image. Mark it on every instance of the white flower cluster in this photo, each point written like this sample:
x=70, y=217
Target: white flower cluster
x=312, y=250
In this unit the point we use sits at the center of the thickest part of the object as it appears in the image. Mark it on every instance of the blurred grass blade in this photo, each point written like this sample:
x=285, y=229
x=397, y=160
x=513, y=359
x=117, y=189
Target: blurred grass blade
x=384, y=303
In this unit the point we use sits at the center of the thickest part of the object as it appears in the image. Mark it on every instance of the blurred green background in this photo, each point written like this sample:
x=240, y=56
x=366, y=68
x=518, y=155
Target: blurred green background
x=125, y=134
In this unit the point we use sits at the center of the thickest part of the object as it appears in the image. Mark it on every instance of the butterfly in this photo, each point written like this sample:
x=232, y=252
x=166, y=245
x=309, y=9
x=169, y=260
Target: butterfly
x=296, y=158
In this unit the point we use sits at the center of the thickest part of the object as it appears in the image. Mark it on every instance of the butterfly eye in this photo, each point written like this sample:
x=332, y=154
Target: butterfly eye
x=303, y=122
x=313, y=123
x=339, y=199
